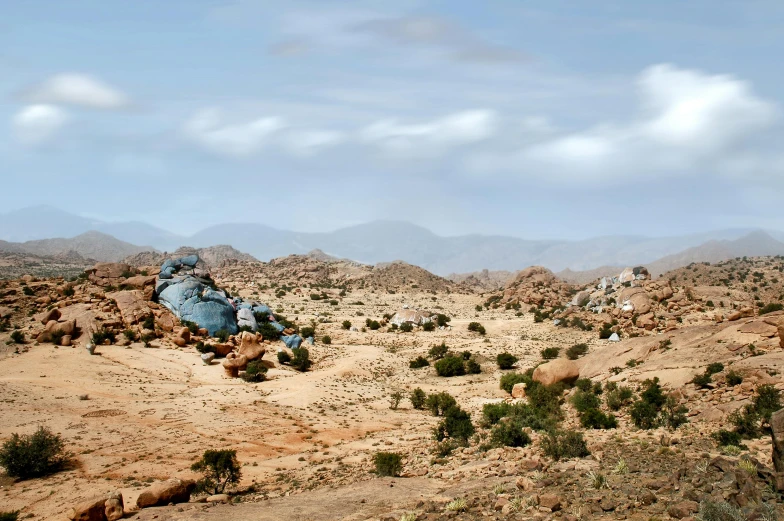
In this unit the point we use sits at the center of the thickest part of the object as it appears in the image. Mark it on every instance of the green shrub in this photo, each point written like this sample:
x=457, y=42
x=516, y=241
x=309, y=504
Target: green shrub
x=220, y=468
x=103, y=334
x=545, y=398
x=510, y=379
x=406, y=327
x=493, y=412
x=326, y=340
x=256, y=371
x=472, y=366
x=746, y=422
x=644, y=414
x=418, y=363
x=346, y=324
x=549, y=353
x=564, y=445
x=68, y=291
x=268, y=331
x=585, y=400
x=702, y=381
x=714, y=368
x=509, y=433
x=27, y=290
x=596, y=419
x=476, y=327
x=442, y=320
x=733, y=378
x=439, y=403
x=17, y=337
x=450, y=366
x=769, y=308
x=192, y=326
x=33, y=455
x=9, y=516
x=149, y=323
x=576, y=351
x=653, y=393
x=466, y=355
x=619, y=397
x=672, y=414
x=535, y=418
x=428, y=326
x=373, y=325
x=57, y=336
x=222, y=335
x=456, y=425
x=584, y=384
x=418, y=398
x=438, y=352
x=766, y=400
x=506, y=360
x=301, y=361
x=130, y=334
x=388, y=463
x=394, y=400
x=284, y=357
x=307, y=331
x=726, y=438
x=201, y=347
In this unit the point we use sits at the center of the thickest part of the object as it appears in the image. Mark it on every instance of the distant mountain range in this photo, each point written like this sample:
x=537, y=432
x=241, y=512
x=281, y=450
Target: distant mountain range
x=382, y=241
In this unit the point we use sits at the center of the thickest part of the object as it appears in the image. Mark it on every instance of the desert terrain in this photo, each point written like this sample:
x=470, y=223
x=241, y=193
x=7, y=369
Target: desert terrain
x=144, y=406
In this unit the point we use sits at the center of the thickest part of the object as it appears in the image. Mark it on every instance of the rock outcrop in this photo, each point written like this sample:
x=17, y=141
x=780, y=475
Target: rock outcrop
x=559, y=370
x=164, y=492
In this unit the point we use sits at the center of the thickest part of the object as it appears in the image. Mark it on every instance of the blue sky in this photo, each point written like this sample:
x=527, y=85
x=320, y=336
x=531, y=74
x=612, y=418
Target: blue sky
x=539, y=119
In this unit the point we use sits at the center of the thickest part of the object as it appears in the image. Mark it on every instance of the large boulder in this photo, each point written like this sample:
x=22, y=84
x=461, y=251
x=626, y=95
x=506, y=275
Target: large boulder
x=191, y=300
x=164, y=492
x=292, y=341
x=559, y=370
x=132, y=305
x=777, y=432
x=109, y=273
x=250, y=347
x=245, y=318
x=189, y=260
x=91, y=510
x=66, y=327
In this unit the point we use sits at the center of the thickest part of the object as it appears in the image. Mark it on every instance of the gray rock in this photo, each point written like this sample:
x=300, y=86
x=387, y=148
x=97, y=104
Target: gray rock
x=189, y=260
x=190, y=300
x=614, y=338
x=245, y=318
x=292, y=341
x=207, y=358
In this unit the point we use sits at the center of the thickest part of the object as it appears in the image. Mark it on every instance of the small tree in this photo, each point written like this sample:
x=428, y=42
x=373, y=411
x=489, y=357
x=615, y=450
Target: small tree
x=418, y=398
x=506, y=360
x=429, y=326
x=256, y=371
x=33, y=455
x=346, y=324
x=394, y=400
x=450, y=366
x=388, y=463
x=438, y=352
x=301, y=361
x=220, y=468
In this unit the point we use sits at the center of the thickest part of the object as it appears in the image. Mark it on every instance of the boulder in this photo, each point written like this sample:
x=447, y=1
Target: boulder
x=165, y=492
x=559, y=370
x=90, y=510
x=132, y=305
x=190, y=300
x=184, y=333
x=109, y=273
x=777, y=432
x=683, y=509
x=518, y=391
x=68, y=327
x=189, y=260
x=114, y=507
x=48, y=316
x=218, y=498
x=207, y=358
x=245, y=318
x=233, y=364
x=292, y=341
x=250, y=347
x=614, y=338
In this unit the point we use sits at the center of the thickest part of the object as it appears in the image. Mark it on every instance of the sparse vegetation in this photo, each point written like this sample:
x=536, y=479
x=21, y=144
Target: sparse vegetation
x=33, y=455
x=388, y=463
x=476, y=327
x=220, y=468
x=506, y=361
x=576, y=351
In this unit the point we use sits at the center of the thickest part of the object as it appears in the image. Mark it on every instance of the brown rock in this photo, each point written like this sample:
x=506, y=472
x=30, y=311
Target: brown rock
x=114, y=507
x=758, y=327
x=250, y=347
x=518, y=391
x=66, y=341
x=90, y=510
x=525, y=484
x=559, y=370
x=132, y=305
x=683, y=509
x=48, y=316
x=179, y=341
x=550, y=501
x=233, y=364
x=185, y=334
x=165, y=492
x=68, y=327
x=777, y=433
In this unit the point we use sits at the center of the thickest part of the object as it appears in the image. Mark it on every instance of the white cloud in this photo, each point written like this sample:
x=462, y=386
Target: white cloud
x=237, y=140
x=77, y=89
x=35, y=124
x=689, y=121
x=455, y=129
x=309, y=142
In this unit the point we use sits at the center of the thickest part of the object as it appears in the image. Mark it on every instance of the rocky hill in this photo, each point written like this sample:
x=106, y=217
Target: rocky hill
x=484, y=280
x=89, y=245
x=212, y=256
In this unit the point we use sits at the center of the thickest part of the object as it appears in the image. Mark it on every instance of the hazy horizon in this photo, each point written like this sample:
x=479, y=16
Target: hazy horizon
x=541, y=121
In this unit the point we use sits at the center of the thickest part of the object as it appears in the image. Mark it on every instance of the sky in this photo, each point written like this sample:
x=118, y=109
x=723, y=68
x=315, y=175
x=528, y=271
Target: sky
x=540, y=119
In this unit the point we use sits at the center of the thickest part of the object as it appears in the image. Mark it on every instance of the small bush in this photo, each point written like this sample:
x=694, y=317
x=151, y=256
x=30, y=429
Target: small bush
x=438, y=352
x=456, y=425
x=428, y=326
x=576, y=351
x=102, y=335
x=201, y=347
x=596, y=419
x=255, y=372
x=406, y=327
x=418, y=398
x=476, y=327
x=510, y=379
x=220, y=468
x=439, y=403
x=284, y=357
x=767, y=400
x=27, y=290
x=307, y=331
x=301, y=361
x=746, y=422
x=418, y=363
x=509, y=433
x=33, y=455
x=326, y=340
x=493, y=412
x=619, y=397
x=394, y=400
x=472, y=366
x=549, y=353
x=346, y=324
x=769, y=308
x=450, y=366
x=585, y=400
x=702, y=381
x=149, y=323
x=733, y=378
x=442, y=320
x=222, y=335
x=268, y=331
x=506, y=361
x=714, y=368
x=388, y=463
x=17, y=337
x=564, y=445
x=130, y=334
x=726, y=438
x=9, y=516
x=672, y=414
x=192, y=326
x=644, y=414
